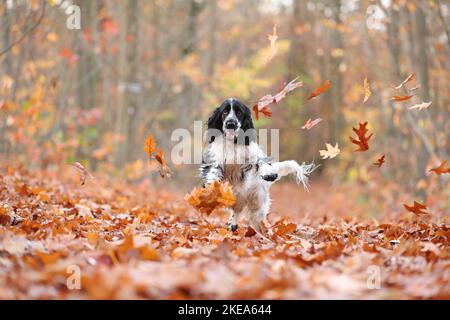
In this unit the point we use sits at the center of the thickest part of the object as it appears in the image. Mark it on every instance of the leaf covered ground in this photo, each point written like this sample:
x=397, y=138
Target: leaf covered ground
x=140, y=241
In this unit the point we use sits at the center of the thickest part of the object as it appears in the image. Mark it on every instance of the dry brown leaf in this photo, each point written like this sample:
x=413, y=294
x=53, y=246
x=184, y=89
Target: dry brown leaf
x=213, y=196
x=408, y=79
x=263, y=104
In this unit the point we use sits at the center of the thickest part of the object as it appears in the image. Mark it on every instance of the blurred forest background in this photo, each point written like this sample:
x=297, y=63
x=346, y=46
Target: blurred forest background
x=148, y=67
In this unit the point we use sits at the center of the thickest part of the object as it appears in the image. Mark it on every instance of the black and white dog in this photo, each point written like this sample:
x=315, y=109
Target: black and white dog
x=233, y=155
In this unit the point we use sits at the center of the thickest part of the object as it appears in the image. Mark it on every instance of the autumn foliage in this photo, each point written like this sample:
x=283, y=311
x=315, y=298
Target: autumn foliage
x=135, y=241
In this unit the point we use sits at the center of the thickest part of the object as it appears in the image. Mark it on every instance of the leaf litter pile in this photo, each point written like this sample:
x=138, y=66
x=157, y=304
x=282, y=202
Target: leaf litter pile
x=138, y=241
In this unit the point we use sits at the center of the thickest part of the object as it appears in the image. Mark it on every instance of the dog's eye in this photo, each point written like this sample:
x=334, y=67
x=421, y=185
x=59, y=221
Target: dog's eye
x=238, y=113
x=225, y=112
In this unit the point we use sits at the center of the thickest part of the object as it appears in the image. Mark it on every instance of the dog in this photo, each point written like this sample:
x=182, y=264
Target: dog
x=232, y=154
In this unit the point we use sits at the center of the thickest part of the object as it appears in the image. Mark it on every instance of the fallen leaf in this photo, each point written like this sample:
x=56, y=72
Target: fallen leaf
x=331, y=151
x=320, y=89
x=363, y=140
x=421, y=106
x=367, y=92
x=309, y=124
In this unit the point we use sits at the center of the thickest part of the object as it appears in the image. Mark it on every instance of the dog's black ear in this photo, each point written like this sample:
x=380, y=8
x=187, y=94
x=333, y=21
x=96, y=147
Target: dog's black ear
x=214, y=123
x=248, y=127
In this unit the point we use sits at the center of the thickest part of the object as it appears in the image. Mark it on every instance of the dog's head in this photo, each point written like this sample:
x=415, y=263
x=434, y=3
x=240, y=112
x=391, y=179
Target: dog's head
x=233, y=119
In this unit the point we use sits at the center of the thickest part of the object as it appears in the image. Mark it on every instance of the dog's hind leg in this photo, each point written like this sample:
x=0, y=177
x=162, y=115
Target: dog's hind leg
x=258, y=214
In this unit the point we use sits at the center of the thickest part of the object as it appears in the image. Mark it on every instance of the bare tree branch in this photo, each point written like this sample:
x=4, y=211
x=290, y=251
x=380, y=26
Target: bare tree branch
x=29, y=30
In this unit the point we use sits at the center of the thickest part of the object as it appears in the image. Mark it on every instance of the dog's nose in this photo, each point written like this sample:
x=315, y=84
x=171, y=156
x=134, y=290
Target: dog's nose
x=231, y=124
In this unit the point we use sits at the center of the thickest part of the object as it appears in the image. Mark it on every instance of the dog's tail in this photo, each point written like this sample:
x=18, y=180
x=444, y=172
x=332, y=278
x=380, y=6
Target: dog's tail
x=301, y=172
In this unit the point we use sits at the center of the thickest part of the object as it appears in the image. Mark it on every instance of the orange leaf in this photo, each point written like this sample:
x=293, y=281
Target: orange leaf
x=441, y=169
x=320, y=89
x=150, y=146
x=417, y=208
x=363, y=140
x=213, y=196
x=164, y=170
x=401, y=98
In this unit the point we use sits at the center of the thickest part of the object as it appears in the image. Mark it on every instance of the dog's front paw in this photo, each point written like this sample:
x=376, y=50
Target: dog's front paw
x=270, y=177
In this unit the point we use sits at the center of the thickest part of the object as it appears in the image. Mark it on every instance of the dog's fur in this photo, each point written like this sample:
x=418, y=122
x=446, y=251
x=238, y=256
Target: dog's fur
x=233, y=155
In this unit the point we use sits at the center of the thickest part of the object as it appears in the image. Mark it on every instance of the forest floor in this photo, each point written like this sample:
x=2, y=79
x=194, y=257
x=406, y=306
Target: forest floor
x=128, y=241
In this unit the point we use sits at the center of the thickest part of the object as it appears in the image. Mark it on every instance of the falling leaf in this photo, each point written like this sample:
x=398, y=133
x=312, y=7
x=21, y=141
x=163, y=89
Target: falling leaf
x=414, y=88
x=379, y=161
x=421, y=106
x=309, y=124
x=401, y=98
x=83, y=172
x=331, y=151
x=320, y=89
x=408, y=79
x=263, y=104
x=363, y=140
x=367, y=92
x=164, y=170
x=158, y=155
x=150, y=146
x=273, y=46
x=417, y=208
x=441, y=169
x=213, y=196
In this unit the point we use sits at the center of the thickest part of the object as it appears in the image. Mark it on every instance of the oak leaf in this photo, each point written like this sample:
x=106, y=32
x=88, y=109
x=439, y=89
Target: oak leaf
x=363, y=140
x=417, y=208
